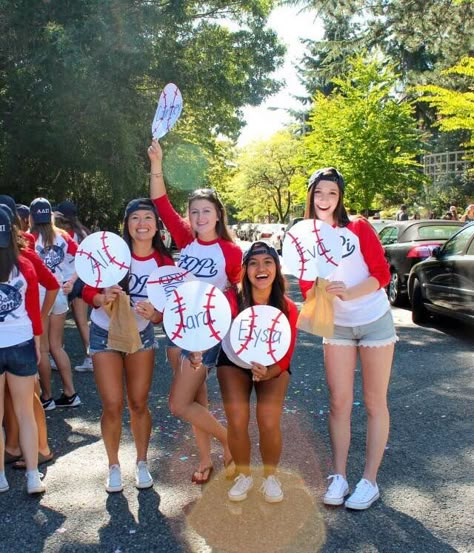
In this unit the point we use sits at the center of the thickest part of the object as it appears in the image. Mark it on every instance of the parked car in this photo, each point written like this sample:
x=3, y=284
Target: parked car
x=379, y=224
x=444, y=283
x=408, y=242
x=265, y=231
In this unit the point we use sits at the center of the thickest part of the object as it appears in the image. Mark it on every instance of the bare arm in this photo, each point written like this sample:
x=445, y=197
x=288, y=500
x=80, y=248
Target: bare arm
x=157, y=183
x=365, y=287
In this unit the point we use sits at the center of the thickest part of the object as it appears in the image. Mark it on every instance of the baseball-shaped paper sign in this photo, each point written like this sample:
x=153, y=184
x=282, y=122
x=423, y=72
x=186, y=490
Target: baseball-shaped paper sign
x=168, y=111
x=231, y=355
x=163, y=281
x=197, y=316
x=260, y=334
x=311, y=249
x=102, y=259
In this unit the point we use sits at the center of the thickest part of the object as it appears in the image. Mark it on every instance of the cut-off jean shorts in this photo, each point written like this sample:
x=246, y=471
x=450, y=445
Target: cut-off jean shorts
x=19, y=360
x=378, y=333
x=99, y=337
x=209, y=357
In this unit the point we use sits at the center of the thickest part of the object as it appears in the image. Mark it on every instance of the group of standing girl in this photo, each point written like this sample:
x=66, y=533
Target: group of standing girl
x=363, y=326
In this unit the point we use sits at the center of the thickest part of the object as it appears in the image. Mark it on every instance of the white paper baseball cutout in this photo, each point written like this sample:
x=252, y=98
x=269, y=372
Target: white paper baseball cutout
x=197, y=316
x=311, y=249
x=163, y=281
x=231, y=355
x=168, y=111
x=261, y=334
x=102, y=259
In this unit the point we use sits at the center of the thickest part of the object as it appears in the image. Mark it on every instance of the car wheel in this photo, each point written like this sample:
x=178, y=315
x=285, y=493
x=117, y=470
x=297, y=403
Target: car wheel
x=419, y=313
x=394, y=290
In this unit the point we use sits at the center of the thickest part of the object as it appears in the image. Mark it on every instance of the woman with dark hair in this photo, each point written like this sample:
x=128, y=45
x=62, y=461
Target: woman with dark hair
x=208, y=251
x=66, y=218
x=363, y=326
x=262, y=283
x=112, y=367
x=53, y=245
x=20, y=329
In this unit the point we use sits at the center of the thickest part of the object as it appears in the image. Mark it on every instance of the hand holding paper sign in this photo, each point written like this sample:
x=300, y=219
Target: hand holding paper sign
x=168, y=111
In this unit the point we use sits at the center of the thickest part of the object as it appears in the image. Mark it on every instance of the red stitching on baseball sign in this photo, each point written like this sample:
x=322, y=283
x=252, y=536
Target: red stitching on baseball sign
x=299, y=249
x=112, y=258
x=96, y=264
x=214, y=333
x=252, y=327
x=181, y=308
x=271, y=350
x=321, y=248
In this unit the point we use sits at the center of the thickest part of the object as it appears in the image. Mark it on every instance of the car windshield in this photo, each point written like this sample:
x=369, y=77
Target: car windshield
x=436, y=232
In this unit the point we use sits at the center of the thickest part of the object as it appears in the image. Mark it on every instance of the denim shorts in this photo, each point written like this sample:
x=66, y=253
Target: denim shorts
x=209, y=357
x=375, y=334
x=98, y=338
x=19, y=360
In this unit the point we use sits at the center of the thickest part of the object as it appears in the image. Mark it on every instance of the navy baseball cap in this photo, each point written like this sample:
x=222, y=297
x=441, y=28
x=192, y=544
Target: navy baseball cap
x=5, y=228
x=40, y=211
x=138, y=204
x=23, y=211
x=9, y=212
x=67, y=208
x=327, y=173
x=9, y=201
x=260, y=247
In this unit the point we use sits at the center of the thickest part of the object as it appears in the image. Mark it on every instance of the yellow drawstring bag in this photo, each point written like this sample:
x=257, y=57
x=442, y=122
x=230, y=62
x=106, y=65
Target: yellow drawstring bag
x=317, y=314
x=123, y=329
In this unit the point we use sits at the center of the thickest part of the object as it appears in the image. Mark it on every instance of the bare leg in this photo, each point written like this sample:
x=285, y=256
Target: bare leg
x=61, y=358
x=108, y=373
x=270, y=398
x=139, y=375
x=376, y=368
x=2, y=443
x=44, y=365
x=236, y=388
x=203, y=438
x=80, y=311
x=12, y=431
x=340, y=362
x=22, y=393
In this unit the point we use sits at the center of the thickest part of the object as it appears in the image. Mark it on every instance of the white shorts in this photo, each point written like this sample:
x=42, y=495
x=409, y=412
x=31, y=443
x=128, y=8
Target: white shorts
x=60, y=305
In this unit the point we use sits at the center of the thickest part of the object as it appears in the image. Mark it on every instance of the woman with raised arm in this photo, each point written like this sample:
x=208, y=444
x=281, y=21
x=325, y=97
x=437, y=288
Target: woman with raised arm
x=208, y=251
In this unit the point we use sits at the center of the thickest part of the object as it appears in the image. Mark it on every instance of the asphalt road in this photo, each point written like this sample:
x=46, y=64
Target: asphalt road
x=426, y=479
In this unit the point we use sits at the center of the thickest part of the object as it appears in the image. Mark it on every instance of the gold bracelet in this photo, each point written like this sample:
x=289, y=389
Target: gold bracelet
x=156, y=174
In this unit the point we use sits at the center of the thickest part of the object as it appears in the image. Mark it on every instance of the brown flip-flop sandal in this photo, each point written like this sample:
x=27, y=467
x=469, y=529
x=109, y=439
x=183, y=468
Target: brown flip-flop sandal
x=42, y=460
x=203, y=480
x=9, y=458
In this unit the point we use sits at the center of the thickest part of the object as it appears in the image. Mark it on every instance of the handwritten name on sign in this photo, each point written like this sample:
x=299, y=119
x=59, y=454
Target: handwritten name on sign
x=261, y=334
x=197, y=316
x=163, y=281
x=103, y=259
x=311, y=249
x=170, y=105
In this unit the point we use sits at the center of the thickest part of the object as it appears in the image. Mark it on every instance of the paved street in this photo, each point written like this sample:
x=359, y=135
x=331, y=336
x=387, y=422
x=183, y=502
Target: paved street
x=426, y=482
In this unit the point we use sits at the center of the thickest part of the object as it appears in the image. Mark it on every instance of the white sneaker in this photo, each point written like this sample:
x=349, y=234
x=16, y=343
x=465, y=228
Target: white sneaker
x=114, y=480
x=3, y=483
x=243, y=484
x=85, y=366
x=337, y=490
x=34, y=483
x=364, y=495
x=143, y=478
x=271, y=489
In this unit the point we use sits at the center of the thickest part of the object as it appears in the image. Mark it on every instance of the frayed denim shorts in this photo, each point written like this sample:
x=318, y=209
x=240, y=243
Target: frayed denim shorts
x=209, y=357
x=99, y=337
x=378, y=333
x=19, y=360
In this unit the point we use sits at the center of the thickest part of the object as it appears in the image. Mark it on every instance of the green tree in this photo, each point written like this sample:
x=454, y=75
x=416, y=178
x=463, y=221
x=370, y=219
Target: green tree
x=261, y=188
x=455, y=108
x=79, y=83
x=368, y=133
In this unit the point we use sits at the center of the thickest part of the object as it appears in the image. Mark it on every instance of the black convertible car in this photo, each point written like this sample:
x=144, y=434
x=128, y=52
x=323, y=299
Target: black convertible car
x=444, y=283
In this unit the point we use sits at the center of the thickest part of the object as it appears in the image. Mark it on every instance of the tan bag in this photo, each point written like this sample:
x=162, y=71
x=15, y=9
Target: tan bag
x=123, y=329
x=317, y=314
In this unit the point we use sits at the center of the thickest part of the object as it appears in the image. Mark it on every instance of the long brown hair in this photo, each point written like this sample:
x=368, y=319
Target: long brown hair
x=277, y=293
x=331, y=174
x=9, y=257
x=211, y=195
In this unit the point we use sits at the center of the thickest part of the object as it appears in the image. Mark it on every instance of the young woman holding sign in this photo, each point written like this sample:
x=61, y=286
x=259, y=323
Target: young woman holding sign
x=208, y=251
x=262, y=283
x=364, y=327
x=143, y=237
